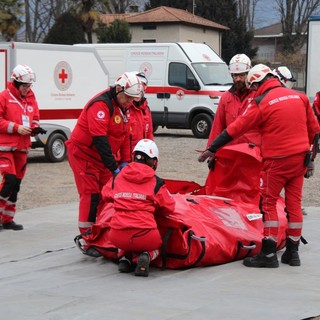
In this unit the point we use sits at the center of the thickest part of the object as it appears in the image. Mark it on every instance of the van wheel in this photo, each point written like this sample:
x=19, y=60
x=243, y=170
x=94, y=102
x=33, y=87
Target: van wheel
x=201, y=125
x=155, y=128
x=55, y=149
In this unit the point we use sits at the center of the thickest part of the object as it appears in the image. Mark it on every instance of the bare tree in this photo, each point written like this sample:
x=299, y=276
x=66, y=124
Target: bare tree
x=294, y=18
x=40, y=16
x=247, y=10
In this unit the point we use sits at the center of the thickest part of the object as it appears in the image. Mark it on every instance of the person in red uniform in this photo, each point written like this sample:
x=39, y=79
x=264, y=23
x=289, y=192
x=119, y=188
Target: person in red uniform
x=316, y=106
x=100, y=133
x=19, y=114
x=137, y=195
x=139, y=117
x=234, y=102
x=288, y=129
x=285, y=76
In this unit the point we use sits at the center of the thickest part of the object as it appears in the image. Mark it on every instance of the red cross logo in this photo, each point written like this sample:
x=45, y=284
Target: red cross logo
x=63, y=75
x=180, y=94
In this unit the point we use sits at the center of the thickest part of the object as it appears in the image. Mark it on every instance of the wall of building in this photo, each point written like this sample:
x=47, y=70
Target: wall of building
x=177, y=33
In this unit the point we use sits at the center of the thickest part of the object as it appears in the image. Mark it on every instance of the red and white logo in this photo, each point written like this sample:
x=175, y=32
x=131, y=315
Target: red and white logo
x=63, y=75
x=180, y=94
x=146, y=68
x=101, y=114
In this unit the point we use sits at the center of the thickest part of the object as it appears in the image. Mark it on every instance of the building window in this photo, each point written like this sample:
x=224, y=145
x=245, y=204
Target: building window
x=149, y=27
x=148, y=40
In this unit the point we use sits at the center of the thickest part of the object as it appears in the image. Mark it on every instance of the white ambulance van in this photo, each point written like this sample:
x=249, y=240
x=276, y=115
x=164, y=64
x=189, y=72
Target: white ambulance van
x=185, y=80
x=66, y=78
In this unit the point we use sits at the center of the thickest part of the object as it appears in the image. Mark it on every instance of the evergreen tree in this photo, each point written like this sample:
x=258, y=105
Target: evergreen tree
x=116, y=32
x=237, y=39
x=10, y=18
x=66, y=30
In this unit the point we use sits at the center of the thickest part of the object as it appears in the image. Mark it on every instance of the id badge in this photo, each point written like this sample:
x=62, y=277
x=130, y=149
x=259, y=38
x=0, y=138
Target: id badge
x=25, y=121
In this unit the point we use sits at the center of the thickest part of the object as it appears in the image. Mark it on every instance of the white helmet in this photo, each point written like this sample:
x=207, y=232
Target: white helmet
x=285, y=76
x=24, y=74
x=141, y=76
x=131, y=85
x=239, y=63
x=258, y=73
x=147, y=147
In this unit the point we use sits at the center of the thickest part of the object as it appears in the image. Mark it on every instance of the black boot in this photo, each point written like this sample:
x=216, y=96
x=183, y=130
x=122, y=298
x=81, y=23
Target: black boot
x=142, y=268
x=291, y=255
x=12, y=225
x=266, y=259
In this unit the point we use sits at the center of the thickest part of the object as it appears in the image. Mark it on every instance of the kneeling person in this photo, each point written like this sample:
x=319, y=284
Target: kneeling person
x=138, y=195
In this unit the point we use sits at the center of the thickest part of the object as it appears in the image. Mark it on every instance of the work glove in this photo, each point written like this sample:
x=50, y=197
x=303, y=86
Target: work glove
x=122, y=165
x=205, y=155
x=115, y=172
x=211, y=163
x=38, y=130
x=310, y=170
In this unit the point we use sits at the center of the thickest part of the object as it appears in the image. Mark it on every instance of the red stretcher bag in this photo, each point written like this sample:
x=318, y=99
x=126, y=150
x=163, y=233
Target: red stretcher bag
x=236, y=173
x=205, y=231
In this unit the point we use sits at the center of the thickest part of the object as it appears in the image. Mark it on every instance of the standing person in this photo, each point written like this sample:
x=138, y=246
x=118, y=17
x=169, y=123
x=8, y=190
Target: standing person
x=235, y=101
x=316, y=106
x=287, y=79
x=232, y=104
x=139, y=117
x=288, y=128
x=100, y=134
x=138, y=194
x=285, y=76
x=19, y=114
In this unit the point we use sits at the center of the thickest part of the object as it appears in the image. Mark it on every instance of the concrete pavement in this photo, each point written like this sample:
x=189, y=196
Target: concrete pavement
x=44, y=276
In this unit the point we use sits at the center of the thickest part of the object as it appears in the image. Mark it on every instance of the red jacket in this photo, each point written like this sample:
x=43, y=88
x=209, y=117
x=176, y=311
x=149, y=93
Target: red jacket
x=102, y=118
x=285, y=117
x=140, y=123
x=231, y=105
x=316, y=105
x=12, y=108
x=134, y=197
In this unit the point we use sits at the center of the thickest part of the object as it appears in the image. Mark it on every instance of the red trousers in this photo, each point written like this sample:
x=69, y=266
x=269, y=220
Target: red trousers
x=13, y=166
x=133, y=241
x=89, y=180
x=278, y=174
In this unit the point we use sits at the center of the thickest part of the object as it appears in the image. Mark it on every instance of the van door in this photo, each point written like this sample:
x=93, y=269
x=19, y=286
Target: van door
x=182, y=94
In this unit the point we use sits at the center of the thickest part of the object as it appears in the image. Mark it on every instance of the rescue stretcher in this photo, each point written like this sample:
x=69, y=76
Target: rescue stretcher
x=212, y=224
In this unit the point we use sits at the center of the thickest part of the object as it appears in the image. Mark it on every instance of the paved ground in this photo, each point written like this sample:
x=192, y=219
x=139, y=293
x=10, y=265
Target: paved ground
x=43, y=276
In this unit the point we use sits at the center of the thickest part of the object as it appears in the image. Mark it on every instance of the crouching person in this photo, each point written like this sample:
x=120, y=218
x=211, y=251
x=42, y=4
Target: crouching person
x=138, y=195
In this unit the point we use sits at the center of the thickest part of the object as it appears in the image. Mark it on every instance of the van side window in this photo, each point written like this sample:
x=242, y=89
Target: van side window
x=180, y=75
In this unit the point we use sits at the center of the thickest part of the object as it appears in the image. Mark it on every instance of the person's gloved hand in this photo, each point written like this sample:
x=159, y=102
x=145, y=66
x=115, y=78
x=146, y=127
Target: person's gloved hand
x=310, y=170
x=115, y=172
x=122, y=165
x=205, y=155
x=211, y=163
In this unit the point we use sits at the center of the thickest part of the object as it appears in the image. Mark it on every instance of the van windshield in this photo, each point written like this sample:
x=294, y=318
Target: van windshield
x=213, y=73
